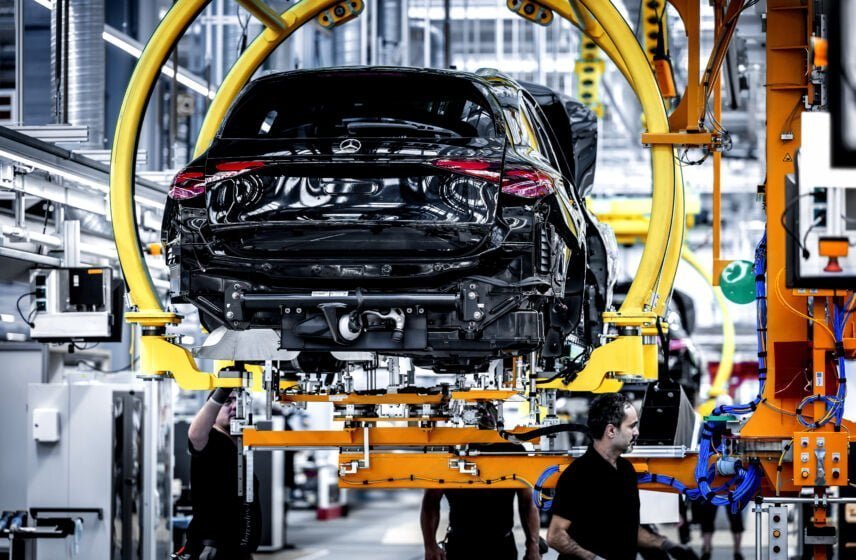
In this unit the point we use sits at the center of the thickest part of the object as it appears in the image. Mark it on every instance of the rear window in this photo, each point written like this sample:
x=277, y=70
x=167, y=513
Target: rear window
x=361, y=105
x=374, y=105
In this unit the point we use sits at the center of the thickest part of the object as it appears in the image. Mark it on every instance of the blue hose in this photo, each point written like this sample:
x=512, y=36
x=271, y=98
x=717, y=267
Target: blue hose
x=538, y=497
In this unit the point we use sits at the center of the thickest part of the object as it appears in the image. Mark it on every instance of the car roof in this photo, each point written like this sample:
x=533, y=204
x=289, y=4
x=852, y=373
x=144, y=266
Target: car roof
x=369, y=70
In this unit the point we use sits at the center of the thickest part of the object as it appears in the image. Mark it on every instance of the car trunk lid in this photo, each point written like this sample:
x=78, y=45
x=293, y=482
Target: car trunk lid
x=404, y=198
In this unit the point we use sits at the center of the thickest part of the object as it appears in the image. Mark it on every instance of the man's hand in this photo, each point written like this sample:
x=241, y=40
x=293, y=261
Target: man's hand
x=678, y=551
x=208, y=553
x=221, y=395
x=533, y=552
x=435, y=553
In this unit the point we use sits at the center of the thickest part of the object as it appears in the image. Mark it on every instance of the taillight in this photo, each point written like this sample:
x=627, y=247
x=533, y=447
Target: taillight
x=187, y=184
x=238, y=166
x=475, y=168
x=516, y=181
x=190, y=182
x=527, y=183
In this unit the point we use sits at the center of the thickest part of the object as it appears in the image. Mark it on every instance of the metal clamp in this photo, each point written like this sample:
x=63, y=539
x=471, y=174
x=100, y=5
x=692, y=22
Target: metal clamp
x=464, y=467
x=351, y=467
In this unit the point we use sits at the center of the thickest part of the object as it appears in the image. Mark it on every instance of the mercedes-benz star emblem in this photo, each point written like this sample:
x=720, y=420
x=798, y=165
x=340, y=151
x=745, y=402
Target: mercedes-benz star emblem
x=349, y=146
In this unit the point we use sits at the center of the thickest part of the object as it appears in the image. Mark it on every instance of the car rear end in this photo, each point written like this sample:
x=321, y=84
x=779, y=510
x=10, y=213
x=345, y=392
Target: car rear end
x=362, y=209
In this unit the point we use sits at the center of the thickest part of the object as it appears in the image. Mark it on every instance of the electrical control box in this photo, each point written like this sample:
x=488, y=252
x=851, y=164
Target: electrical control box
x=820, y=213
x=820, y=458
x=46, y=425
x=75, y=305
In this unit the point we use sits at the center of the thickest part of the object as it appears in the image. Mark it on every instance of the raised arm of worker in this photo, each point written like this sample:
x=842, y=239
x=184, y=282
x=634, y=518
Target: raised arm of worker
x=647, y=539
x=429, y=520
x=204, y=420
x=559, y=539
x=531, y=523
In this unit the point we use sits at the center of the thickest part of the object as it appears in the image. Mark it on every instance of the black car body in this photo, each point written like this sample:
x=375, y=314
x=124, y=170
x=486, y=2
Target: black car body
x=418, y=213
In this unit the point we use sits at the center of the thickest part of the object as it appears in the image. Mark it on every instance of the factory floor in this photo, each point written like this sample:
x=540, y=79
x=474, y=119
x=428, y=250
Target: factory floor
x=385, y=526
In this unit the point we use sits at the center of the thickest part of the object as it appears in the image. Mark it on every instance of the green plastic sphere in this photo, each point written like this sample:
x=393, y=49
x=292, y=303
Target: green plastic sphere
x=737, y=282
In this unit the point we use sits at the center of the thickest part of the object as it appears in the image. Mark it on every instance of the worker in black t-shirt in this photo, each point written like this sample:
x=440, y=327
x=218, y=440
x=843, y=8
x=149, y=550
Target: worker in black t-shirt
x=223, y=526
x=596, y=508
x=480, y=521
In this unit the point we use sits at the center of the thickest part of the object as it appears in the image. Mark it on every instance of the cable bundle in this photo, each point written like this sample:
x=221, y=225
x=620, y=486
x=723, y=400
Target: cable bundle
x=748, y=479
x=834, y=405
x=541, y=500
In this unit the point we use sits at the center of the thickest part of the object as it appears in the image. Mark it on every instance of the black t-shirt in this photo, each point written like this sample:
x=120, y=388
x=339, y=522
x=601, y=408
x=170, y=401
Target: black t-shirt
x=602, y=504
x=218, y=511
x=483, y=512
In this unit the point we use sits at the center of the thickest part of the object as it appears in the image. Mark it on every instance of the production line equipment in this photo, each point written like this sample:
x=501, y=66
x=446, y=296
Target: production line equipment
x=792, y=437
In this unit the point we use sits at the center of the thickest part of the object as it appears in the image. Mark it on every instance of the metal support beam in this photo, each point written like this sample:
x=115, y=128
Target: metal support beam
x=262, y=12
x=71, y=244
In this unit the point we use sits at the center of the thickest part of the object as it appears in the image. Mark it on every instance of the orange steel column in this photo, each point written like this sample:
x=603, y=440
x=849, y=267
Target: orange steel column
x=788, y=32
x=789, y=25
x=718, y=264
x=685, y=116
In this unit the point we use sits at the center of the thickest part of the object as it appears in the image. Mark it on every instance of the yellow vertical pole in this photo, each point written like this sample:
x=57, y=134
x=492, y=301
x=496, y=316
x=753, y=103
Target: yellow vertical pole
x=141, y=292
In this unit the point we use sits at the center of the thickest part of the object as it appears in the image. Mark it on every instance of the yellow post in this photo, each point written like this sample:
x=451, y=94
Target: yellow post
x=141, y=292
x=264, y=14
x=652, y=287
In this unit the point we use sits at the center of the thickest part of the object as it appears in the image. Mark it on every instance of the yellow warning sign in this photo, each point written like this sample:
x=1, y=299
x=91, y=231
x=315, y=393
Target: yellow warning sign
x=788, y=157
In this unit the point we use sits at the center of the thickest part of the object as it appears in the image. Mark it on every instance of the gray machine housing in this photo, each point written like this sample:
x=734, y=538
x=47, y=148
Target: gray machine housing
x=75, y=305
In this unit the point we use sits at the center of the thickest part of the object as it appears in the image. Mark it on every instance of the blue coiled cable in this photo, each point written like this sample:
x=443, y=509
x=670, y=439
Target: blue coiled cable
x=538, y=498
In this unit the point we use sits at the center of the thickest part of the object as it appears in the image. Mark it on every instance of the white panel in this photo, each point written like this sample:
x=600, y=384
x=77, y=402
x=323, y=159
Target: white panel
x=46, y=425
x=71, y=325
x=90, y=462
x=47, y=465
x=850, y=404
x=21, y=366
x=815, y=172
x=658, y=507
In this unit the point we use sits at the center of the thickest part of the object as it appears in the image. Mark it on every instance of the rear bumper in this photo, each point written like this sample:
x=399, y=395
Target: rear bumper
x=356, y=299
x=476, y=319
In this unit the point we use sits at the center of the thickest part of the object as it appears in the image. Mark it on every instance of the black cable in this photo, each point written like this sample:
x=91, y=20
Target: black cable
x=242, y=42
x=570, y=372
x=47, y=207
x=31, y=316
x=723, y=42
x=808, y=231
x=93, y=368
x=531, y=281
x=546, y=431
x=805, y=252
x=665, y=343
x=18, y=307
x=682, y=158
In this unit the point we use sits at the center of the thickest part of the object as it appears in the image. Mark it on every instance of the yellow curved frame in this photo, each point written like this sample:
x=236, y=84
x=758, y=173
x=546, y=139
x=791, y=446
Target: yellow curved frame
x=649, y=292
x=726, y=362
